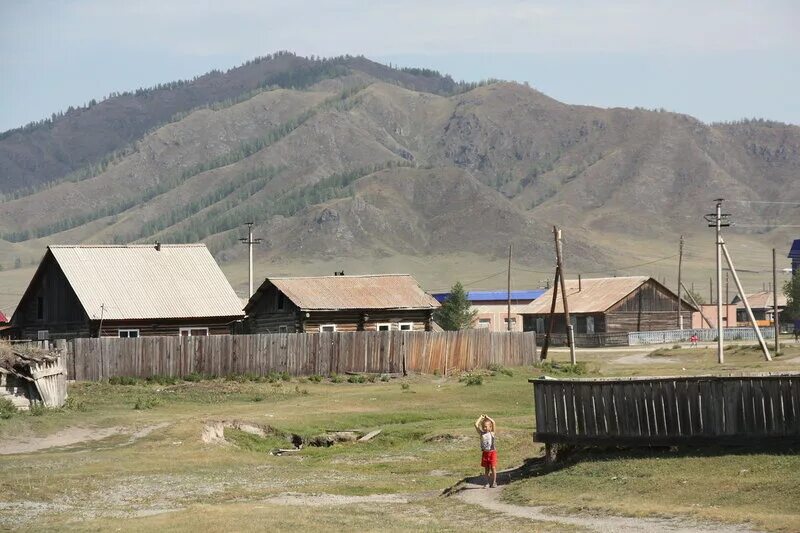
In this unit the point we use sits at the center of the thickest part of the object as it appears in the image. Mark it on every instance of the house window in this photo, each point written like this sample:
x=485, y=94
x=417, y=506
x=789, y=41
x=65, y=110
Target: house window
x=327, y=327
x=590, y=325
x=194, y=332
x=42, y=335
x=484, y=323
x=540, y=326
x=283, y=329
x=40, y=308
x=384, y=327
x=406, y=326
x=513, y=323
x=128, y=334
x=281, y=301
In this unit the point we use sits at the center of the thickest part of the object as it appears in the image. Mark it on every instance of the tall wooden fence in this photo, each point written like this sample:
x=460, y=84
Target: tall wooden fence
x=298, y=353
x=660, y=411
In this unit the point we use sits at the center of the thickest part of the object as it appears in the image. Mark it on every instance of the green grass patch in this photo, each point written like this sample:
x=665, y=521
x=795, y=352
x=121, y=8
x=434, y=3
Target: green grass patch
x=563, y=369
x=7, y=408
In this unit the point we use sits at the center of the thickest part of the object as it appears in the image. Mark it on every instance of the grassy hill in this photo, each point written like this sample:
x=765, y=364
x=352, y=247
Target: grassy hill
x=368, y=168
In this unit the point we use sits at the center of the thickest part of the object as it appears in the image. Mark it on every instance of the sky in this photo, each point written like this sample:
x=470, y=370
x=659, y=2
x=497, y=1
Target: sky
x=718, y=60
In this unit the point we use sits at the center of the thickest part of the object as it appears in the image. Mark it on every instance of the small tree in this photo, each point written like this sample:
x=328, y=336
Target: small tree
x=456, y=311
x=699, y=299
x=792, y=291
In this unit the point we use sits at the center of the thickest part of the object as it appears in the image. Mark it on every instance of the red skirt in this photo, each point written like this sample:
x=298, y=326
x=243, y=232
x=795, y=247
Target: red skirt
x=489, y=459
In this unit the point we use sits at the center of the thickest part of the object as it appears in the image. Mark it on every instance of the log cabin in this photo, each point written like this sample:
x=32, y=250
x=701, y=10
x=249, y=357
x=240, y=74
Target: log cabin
x=340, y=303
x=609, y=305
x=126, y=291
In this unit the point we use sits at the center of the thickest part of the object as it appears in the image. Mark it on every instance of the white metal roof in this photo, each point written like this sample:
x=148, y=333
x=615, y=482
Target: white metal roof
x=133, y=282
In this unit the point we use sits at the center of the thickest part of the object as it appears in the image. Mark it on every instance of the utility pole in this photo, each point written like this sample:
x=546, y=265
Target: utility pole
x=250, y=241
x=775, y=301
x=100, y=340
x=715, y=221
x=550, y=320
x=560, y=261
x=509, y=287
x=680, y=302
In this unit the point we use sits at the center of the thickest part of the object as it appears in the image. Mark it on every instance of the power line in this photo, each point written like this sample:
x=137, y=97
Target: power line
x=763, y=202
x=632, y=266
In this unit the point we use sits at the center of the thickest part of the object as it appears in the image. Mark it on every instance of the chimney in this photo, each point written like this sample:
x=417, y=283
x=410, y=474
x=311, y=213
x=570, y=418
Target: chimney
x=158, y=246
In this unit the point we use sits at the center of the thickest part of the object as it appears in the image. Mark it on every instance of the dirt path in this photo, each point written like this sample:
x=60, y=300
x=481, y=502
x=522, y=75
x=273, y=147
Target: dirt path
x=321, y=500
x=71, y=436
x=490, y=499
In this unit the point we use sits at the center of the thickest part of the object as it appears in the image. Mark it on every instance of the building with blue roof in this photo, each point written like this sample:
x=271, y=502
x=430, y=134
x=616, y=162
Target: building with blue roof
x=492, y=307
x=794, y=255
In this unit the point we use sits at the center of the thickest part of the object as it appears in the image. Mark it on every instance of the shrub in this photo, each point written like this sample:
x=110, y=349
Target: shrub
x=471, y=379
x=38, y=409
x=7, y=408
x=405, y=386
x=145, y=403
x=385, y=378
x=285, y=376
x=495, y=369
x=194, y=377
x=123, y=380
x=336, y=378
x=74, y=404
x=316, y=378
x=356, y=378
x=564, y=369
x=436, y=372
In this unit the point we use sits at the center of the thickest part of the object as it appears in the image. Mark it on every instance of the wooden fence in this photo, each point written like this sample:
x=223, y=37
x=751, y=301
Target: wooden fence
x=661, y=411
x=298, y=353
x=683, y=335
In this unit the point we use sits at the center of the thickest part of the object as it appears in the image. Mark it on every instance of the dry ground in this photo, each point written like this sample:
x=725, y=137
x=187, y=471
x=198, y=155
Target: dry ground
x=154, y=471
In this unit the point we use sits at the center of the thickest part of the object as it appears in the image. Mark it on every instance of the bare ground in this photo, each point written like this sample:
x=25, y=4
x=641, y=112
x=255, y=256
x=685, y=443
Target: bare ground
x=71, y=436
x=491, y=499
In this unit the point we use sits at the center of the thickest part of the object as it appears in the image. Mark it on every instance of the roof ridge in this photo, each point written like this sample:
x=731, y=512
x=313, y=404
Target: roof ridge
x=163, y=245
x=344, y=276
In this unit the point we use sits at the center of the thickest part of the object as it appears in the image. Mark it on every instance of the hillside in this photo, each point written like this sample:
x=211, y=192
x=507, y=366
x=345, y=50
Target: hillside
x=380, y=169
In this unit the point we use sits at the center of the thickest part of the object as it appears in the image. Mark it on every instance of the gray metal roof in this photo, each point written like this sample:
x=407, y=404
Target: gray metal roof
x=380, y=291
x=134, y=282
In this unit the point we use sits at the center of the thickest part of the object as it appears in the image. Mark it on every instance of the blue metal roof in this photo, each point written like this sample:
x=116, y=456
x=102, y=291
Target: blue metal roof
x=794, y=253
x=491, y=296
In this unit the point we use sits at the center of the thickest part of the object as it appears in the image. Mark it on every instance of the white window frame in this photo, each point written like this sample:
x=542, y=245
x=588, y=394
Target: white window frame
x=409, y=324
x=189, y=331
x=484, y=323
x=590, y=325
x=387, y=325
x=323, y=326
x=283, y=329
x=43, y=335
x=128, y=331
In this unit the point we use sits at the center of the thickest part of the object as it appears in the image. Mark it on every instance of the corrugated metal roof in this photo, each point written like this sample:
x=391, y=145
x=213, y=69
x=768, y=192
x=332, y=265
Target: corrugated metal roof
x=136, y=282
x=794, y=253
x=596, y=295
x=388, y=291
x=488, y=296
x=760, y=300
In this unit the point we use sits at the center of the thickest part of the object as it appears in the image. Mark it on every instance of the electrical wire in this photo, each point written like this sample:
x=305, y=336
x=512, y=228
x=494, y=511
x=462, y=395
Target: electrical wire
x=763, y=202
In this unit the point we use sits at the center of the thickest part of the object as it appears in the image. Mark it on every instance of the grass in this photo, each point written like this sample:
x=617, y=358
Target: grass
x=427, y=444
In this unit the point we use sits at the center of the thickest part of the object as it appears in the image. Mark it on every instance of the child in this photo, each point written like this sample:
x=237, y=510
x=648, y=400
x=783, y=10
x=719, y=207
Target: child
x=693, y=340
x=485, y=427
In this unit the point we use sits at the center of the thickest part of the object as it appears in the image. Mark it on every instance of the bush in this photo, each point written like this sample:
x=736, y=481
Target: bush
x=285, y=376
x=405, y=386
x=123, y=380
x=356, y=378
x=73, y=404
x=500, y=369
x=38, y=409
x=145, y=403
x=162, y=380
x=336, y=378
x=564, y=369
x=385, y=378
x=471, y=379
x=7, y=408
x=316, y=378
x=194, y=377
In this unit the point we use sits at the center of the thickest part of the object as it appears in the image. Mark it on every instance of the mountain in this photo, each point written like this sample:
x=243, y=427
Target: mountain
x=379, y=168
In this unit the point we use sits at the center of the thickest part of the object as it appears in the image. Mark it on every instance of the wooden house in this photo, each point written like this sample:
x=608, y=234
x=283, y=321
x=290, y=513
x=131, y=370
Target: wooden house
x=762, y=305
x=491, y=307
x=340, y=303
x=609, y=305
x=126, y=291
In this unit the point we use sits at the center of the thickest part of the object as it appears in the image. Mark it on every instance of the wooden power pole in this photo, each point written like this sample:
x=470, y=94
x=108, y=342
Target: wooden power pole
x=680, y=302
x=509, y=287
x=560, y=262
x=775, y=301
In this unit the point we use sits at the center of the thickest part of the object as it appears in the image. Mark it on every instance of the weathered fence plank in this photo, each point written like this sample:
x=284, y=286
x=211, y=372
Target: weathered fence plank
x=661, y=411
x=300, y=353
